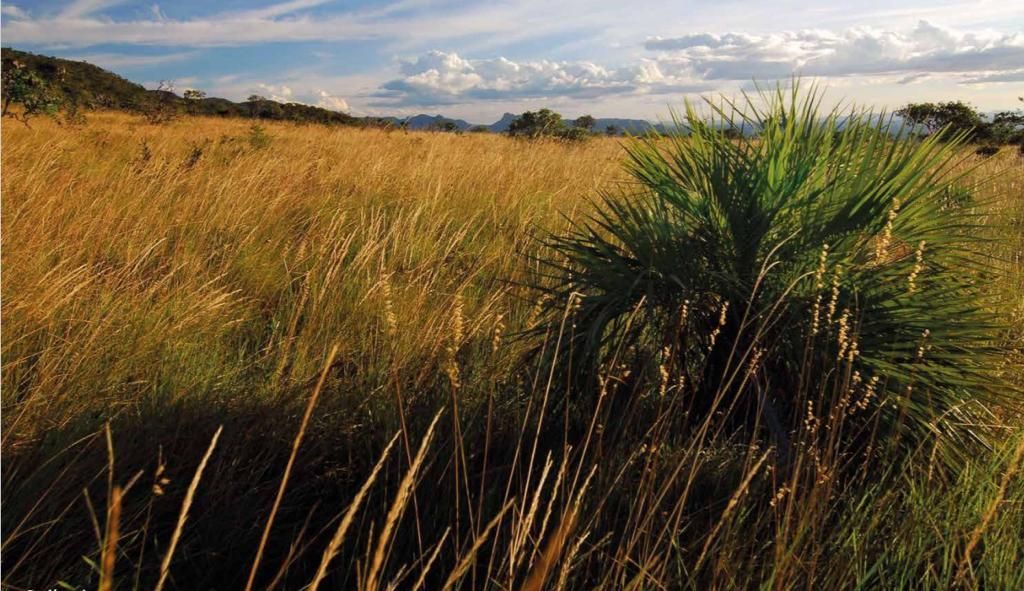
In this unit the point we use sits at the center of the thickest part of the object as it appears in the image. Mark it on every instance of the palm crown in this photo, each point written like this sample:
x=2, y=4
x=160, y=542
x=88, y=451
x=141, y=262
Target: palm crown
x=819, y=264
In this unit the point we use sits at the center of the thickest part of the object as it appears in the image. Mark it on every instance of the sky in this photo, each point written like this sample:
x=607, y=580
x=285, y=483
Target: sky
x=478, y=60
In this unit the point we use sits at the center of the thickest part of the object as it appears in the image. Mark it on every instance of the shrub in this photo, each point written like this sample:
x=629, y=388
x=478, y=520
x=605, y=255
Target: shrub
x=444, y=125
x=258, y=137
x=585, y=122
x=536, y=124
x=956, y=117
x=769, y=279
x=953, y=117
x=73, y=115
x=546, y=123
x=25, y=87
x=195, y=154
x=193, y=98
x=574, y=134
x=161, y=105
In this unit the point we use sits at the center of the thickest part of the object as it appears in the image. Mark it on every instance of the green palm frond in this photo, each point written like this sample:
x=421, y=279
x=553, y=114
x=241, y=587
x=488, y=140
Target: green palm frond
x=825, y=246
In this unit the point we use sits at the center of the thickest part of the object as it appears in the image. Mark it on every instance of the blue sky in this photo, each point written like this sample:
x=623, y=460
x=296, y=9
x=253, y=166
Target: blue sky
x=476, y=60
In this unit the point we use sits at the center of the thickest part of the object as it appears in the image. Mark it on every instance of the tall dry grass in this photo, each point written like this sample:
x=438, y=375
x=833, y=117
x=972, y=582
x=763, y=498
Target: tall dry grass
x=187, y=278
x=173, y=279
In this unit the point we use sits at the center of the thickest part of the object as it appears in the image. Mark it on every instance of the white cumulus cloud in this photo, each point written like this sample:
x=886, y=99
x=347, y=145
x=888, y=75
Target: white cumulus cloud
x=276, y=92
x=13, y=12
x=329, y=101
x=439, y=77
x=285, y=93
x=924, y=49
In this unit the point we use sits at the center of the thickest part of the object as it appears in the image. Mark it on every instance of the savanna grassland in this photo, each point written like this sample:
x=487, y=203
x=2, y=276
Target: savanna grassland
x=283, y=356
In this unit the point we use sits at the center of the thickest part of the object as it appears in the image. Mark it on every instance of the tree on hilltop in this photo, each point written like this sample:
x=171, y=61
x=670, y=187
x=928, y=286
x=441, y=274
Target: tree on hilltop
x=192, y=98
x=585, y=122
x=255, y=100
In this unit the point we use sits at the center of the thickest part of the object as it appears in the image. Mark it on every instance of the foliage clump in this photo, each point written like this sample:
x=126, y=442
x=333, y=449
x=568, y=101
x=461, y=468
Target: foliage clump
x=258, y=137
x=160, y=106
x=774, y=278
x=952, y=118
x=546, y=123
x=23, y=86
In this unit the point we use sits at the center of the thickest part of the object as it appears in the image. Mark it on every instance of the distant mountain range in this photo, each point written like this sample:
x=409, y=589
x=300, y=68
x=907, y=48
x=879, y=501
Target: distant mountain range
x=635, y=126
x=424, y=122
x=92, y=87
x=421, y=122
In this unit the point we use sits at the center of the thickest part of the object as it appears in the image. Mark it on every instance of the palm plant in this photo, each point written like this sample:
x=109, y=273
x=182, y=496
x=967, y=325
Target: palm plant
x=812, y=268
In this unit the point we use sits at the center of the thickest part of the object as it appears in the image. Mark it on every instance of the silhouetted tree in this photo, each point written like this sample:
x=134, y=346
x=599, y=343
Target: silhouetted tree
x=953, y=116
x=161, y=105
x=585, y=122
x=192, y=98
x=255, y=101
x=733, y=133
x=1006, y=127
x=535, y=124
x=444, y=125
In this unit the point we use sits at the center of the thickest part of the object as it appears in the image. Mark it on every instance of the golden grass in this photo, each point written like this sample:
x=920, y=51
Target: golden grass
x=150, y=267
x=110, y=540
x=158, y=273
x=138, y=274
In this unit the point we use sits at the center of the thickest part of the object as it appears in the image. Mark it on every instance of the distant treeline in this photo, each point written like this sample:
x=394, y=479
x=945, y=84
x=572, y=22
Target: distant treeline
x=957, y=118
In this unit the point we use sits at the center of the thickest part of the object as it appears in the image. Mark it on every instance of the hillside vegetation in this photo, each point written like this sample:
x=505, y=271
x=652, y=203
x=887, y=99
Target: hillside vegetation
x=299, y=356
x=84, y=86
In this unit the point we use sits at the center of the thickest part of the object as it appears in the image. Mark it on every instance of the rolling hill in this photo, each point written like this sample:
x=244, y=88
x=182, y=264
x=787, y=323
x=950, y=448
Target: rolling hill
x=91, y=87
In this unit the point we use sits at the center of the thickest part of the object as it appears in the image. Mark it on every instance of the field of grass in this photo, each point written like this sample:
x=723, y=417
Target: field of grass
x=259, y=358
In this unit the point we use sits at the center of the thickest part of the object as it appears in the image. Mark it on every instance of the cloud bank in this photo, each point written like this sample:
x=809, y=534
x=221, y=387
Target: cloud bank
x=438, y=78
x=925, y=49
x=696, y=62
x=84, y=23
